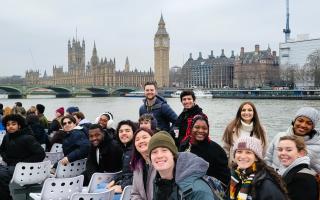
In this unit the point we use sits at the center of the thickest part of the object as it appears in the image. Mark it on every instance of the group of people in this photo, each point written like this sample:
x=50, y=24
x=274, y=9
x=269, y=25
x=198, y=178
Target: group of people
x=165, y=156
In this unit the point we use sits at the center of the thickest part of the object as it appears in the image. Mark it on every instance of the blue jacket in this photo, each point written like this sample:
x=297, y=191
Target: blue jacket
x=161, y=111
x=75, y=145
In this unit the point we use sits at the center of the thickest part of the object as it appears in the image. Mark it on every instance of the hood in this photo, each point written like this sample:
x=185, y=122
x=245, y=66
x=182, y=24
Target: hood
x=189, y=167
x=159, y=99
x=84, y=121
x=302, y=160
x=193, y=110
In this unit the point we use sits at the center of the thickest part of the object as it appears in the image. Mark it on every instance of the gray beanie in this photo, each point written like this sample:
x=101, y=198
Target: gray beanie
x=310, y=113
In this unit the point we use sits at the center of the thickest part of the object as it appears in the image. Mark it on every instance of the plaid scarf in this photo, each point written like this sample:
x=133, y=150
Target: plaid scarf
x=242, y=179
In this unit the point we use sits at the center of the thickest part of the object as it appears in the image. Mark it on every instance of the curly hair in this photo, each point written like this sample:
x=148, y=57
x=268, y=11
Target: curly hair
x=125, y=122
x=16, y=118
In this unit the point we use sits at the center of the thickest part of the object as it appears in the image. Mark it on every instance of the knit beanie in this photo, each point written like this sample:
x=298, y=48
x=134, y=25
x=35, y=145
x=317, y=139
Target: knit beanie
x=249, y=143
x=60, y=110
x=311, y=113
x=72, y=109
x=162, y=139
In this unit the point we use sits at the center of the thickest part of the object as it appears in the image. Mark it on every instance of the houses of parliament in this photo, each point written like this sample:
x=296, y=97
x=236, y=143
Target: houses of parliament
x=102, y=71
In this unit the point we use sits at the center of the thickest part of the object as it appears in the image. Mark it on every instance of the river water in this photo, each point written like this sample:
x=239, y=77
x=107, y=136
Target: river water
x=275, y=115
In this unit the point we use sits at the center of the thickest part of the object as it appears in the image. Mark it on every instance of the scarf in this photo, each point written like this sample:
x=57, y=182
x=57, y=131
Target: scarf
x=242, y=179
x=301, y=160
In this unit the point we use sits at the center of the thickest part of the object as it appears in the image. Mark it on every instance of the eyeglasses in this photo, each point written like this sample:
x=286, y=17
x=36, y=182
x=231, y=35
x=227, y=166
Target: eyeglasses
x=65, y=123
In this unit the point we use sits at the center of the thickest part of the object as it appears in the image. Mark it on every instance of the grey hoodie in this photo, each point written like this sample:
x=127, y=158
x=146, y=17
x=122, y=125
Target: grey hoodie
x=189, y=172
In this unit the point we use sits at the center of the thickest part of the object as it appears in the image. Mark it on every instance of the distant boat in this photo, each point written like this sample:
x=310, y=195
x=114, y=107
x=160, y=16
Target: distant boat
x=197, y=93
x=135, y=94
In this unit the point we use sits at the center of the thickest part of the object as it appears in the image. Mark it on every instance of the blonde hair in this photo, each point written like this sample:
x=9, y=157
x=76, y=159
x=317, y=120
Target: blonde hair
x=299, y=142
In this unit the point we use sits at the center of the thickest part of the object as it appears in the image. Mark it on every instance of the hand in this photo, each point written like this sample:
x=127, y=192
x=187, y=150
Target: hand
x=110, y=184
x=64, y=161
x=116, y=188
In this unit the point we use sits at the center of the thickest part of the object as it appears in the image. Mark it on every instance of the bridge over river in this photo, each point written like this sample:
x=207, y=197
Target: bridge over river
x=63, y=91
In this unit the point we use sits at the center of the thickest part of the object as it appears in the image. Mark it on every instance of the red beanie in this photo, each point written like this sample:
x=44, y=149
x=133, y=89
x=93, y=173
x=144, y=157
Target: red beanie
x=60, y=110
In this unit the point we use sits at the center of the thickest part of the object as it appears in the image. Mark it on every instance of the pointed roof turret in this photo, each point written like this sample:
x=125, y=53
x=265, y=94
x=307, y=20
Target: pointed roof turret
x=222, y=54
x=161, y=27
x=232, y=54
x=127, y=65
x=94, y=51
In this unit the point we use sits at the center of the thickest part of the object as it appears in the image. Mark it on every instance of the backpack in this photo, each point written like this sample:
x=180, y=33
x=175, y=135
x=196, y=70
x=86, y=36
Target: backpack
x=216, y=187
x=313, y=173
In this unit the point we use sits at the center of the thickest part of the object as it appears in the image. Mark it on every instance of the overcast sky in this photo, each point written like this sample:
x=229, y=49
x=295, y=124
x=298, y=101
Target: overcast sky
x=34, y=33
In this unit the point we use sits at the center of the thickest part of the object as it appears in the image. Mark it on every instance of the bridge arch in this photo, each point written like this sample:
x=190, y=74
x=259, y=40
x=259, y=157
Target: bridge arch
x=13, y=93
x=98, y=92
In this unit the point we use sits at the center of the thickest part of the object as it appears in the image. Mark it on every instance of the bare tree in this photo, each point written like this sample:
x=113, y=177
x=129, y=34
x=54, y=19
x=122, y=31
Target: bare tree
x=288, y=75
x=313, y=62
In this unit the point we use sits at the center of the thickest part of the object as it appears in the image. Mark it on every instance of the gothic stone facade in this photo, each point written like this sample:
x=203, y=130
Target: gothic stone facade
x=259, y=68
x=97, y=72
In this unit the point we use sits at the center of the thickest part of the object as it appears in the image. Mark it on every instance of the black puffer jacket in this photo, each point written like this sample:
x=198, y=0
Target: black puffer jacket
x=265, y=187
x=21, y=146
x=110, y=154
x=301, y=185
x=214, y=155
x=125, y=178
x=184, y=121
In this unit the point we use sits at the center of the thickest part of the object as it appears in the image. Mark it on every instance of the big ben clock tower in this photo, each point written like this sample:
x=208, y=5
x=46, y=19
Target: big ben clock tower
x=161, y=55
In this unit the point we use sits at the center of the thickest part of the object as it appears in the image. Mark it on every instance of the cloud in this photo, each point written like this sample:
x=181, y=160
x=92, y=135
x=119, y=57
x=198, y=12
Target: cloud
x=35, y=33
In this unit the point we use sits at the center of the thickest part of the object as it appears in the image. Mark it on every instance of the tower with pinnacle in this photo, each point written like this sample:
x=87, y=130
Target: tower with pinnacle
x=127, y=65
x=76, y=59
x=161, y=55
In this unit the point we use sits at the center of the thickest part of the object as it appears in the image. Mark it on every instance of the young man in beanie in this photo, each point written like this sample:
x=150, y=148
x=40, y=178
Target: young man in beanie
x=43, y=120
x=179, y=176
x=303, y=125
x=56, y=122
x=72, y=109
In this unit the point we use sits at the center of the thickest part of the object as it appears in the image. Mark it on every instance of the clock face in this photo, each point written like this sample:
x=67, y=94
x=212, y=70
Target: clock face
x=156, y=43
x=165, y=42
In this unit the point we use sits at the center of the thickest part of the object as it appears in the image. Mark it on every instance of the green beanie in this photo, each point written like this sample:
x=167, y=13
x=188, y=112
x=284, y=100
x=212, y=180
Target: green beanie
x=162, y=139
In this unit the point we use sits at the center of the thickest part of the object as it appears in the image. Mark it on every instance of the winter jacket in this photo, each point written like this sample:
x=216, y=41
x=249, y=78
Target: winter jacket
x=39, y=132
x=75, y=145
x=189, y=184
x=85, y=124
x=214, y=155
x=43, y=121
x=138, y=190
x=300, y=180
x=244, y=130
x=312, y=144
x=55, y=125
x=183, y=123
x=21, y=146
x=125, y=177
x=264, y=187
x=110, y=157
x=161, y=111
